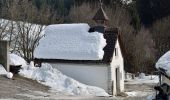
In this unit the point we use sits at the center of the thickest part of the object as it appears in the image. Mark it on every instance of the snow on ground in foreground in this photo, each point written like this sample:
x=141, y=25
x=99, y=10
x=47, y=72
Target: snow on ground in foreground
x=142, y=79
x=4, y=72
x=58, y=82
x=137, y=93
x=151, y=97
x=70, y=42
x=16, y=60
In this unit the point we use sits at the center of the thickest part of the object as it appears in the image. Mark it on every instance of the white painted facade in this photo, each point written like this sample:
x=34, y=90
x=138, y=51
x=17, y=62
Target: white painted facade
x=100, y=75
x=90, y=74
x=117, y=64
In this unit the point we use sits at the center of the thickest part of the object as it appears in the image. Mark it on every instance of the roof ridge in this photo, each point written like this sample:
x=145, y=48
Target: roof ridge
x=100, y=15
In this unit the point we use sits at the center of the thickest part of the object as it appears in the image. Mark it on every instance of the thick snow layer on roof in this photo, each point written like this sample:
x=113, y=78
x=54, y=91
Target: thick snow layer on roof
x=53, y=78
x=70, y=42
x=164, y=61
x=16, y=60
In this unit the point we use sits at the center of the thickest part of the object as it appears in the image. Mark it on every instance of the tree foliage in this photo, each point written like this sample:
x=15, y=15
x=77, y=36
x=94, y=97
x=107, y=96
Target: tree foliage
x=151, y=10
x=161, y=35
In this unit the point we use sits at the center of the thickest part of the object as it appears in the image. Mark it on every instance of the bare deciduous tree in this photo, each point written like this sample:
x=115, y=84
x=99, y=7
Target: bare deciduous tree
x=3, y=29
x=83, y=13
x=144, y=52
x=120, y=18
x=23, y=36
x=161, y=35
x=29, y=36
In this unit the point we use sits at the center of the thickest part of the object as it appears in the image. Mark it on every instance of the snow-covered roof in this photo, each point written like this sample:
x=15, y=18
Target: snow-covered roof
x=164, y=63
x=100, y=15
x=70, y=42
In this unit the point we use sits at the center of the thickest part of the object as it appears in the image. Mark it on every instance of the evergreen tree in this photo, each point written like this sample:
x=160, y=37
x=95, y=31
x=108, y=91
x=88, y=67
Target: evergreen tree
x=135, y=16
x=151, y=10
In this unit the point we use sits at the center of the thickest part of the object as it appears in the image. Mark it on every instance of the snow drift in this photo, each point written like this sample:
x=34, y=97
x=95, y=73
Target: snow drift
x=59, y=82
x=4, y=72
x=16, y=60
x=70, y=42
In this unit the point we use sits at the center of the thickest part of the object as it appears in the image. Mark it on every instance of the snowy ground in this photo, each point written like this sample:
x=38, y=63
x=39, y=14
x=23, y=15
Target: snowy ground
x=141, y=86
x=147, y=79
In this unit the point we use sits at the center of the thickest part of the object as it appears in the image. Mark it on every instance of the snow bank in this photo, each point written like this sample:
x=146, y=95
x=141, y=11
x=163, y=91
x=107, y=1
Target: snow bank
x=70, y=42
x=16, y=60
x=59, y=82
x=2, y=70
x=9, y=75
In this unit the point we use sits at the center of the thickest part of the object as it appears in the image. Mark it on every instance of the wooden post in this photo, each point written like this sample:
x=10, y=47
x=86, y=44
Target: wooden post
x=160, y=78
x=4, y=54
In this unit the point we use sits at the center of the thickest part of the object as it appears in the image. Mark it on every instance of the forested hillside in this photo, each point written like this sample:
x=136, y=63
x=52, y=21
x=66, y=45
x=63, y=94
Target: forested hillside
x=144, y=24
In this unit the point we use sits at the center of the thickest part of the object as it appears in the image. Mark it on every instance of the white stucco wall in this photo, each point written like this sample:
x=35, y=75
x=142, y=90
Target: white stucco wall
x=90, y=74
x=117, y=62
